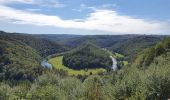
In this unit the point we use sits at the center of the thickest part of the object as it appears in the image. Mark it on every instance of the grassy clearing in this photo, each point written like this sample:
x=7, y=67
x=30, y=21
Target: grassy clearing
x=125, y=63
x=117, y=55
x=57, y=63
x=120, y=58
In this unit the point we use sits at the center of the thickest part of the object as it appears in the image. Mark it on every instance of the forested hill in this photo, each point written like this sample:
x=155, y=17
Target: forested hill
x=76, y=40
x=43, y=46
x=17, y=60
x=128, y=45
x=21, y=77
x=62, y=38
x=154, y=54
x=148, y=78
x=131, y=47
x=87, y=56
x=21, y=55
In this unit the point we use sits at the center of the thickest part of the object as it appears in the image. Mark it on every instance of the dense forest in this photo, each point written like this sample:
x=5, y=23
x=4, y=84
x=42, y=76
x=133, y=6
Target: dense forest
x=44, y=47
x=87, y=56
x=129, y=45
x=147, y=77
x=17, y=60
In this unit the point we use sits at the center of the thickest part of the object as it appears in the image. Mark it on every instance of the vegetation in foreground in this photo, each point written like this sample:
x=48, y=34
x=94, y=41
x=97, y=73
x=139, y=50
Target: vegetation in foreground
x=129, y=83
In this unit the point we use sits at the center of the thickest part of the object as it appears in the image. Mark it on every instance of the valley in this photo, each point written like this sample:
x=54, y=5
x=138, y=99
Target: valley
x=98, y=67
x=84, y=50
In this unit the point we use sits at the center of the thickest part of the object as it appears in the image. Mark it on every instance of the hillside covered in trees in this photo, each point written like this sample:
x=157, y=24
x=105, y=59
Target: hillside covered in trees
x=84, y=50
x=43, y=46
x=22, y=77
x=150, y=55
x=87, y=56
x=128, y=45
x=131, y=47
x=17, y=60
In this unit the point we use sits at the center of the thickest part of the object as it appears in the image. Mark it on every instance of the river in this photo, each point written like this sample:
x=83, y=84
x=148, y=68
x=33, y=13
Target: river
x=45, y=64
x=114, y=65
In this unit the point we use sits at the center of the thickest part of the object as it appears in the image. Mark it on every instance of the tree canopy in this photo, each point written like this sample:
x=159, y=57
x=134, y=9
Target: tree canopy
x=87, y=56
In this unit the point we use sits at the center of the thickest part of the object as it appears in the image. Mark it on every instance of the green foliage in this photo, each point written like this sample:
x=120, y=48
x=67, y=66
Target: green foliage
x=73, y=88
x=4, y=91
x=147, y=79
x=129, y=83
x=93, y=88
x=87, y=56
x=18, y=60
x=132, y=46
x=147, y=57
x=73, y=41
x=128, y=45
x=43, y=46
x=47, y=92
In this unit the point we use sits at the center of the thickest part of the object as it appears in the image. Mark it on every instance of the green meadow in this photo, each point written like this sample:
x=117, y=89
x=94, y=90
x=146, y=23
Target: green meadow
x=58, y=64
x=120, y=56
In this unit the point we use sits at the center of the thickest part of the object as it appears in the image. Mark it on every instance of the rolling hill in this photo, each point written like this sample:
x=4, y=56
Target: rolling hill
x=131, y=47
x=128, y=45
x=87, y=56
x=151, y=55
x=21, y=76
x=18, y=60
x=43, y=46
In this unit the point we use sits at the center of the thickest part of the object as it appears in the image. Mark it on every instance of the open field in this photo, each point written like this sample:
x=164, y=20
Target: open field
x=125, y=63
x=118, y=55
x=57, y=63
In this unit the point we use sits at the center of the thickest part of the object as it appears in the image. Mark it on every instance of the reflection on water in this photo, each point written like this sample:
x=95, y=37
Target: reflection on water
x=114, y=66
x=45, y=64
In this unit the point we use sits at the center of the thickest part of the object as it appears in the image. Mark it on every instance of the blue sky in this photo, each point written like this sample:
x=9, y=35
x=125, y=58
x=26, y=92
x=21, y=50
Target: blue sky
x=85, y=16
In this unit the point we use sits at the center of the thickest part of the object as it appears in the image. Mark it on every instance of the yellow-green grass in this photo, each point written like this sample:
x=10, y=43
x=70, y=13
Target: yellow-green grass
x=125, y=63
x=58, y=64
x=118, y=55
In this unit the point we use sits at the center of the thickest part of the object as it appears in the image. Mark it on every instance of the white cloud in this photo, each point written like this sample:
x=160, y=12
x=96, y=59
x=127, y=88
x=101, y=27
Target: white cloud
x=84, y=7
x=42, y=3
x=106, y=6
x=2, y=2
x=92, y=8
x=33, y=9
x=49, y=3
x=99, y=20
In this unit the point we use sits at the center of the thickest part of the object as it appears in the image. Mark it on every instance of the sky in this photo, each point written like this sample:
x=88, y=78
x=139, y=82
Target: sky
x=85, y=17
